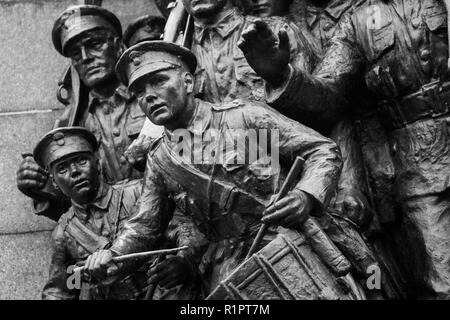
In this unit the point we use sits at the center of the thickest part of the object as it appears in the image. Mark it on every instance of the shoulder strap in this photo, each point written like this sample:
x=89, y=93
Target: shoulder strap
x=115, y=216
x=85, y=237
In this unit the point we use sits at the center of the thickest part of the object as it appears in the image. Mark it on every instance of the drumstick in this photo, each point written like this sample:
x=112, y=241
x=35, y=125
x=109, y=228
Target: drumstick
x=137, y=256
x=287, y=185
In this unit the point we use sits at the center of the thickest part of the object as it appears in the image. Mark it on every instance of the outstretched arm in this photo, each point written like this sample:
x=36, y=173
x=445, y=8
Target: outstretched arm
x=292, y=90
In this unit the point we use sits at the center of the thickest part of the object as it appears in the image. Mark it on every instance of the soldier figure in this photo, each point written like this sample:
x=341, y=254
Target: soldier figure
x=161, y=75
x=223, y=74
x=401, y=49
x=96, y=215
x=91, y=37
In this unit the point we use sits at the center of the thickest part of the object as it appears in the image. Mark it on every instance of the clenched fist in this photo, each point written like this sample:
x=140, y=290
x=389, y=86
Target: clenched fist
x=352, y=204
x=30, y=177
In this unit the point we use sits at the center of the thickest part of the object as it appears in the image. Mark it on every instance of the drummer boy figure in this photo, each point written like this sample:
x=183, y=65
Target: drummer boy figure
x=225, y=200
x=93, y=221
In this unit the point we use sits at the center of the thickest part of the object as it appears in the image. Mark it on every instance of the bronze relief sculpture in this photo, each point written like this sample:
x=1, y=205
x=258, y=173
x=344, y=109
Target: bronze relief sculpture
x=288, y=147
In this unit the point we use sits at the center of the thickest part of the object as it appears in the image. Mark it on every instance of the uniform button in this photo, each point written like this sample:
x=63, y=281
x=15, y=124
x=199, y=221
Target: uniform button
x=327, y=26
x=106, y=109
x=116, y=132
x=221, y=67
x=123, y=161
x=394, y=147
x=416, y=22
x=425, y=55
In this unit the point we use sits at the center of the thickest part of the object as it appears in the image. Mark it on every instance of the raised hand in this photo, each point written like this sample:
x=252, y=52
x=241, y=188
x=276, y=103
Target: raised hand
x=268, y=55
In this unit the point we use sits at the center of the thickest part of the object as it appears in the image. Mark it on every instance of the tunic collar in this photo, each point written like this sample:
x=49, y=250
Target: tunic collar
x=224, y=27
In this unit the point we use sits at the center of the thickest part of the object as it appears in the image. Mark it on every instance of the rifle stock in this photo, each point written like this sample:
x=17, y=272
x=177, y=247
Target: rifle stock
x=179, y=25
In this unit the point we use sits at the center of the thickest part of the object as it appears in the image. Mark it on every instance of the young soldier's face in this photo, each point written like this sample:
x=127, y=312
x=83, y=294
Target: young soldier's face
x=204, y=8
x=94, y=55
x=163, y=95
x=77, y=176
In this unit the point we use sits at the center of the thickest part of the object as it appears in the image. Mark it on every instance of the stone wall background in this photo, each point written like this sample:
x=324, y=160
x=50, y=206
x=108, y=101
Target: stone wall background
x=29, y=70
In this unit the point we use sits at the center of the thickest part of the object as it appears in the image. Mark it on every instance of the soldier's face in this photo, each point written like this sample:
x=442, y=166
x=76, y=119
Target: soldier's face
x=204, y=8
x=163, y=95
x=267, y=8
x=77, y=176
x=94, y=56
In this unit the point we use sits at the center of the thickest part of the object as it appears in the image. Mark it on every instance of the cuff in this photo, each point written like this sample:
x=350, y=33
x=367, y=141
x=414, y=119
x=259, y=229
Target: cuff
x=318, y=205
x=273, y=94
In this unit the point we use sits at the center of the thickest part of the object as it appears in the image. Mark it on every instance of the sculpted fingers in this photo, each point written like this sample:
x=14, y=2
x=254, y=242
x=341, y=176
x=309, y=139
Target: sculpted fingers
x=31, y=175
x=98, y=263
x=278, y=211
x=289, y=211
x=264, y=31
x=250, y=33
x=284, y=44
x=28, y=184
x=156, y=277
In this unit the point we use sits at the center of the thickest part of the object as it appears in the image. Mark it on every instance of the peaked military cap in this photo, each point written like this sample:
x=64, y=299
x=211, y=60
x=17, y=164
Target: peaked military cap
x=62, y=142
x=78, y=19
x=144, y=28
x=152, y=56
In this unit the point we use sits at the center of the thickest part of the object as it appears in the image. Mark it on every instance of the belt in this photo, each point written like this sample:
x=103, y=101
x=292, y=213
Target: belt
x=431, y=101
x=235, y=216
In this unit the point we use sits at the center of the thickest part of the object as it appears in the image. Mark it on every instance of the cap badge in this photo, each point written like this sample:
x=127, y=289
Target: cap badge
x=58, y=137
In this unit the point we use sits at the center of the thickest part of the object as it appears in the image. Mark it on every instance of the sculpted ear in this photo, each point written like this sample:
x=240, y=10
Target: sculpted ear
x=119, y=45
x=55, y=185
x=97, y=163
x=189, y=82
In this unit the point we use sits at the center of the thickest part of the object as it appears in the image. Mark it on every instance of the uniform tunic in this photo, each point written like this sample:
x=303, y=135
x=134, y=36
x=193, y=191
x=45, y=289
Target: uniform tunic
x=231, y=230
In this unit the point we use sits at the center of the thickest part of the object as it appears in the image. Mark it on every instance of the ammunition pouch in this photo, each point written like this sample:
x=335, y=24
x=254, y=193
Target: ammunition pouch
x=431, y=101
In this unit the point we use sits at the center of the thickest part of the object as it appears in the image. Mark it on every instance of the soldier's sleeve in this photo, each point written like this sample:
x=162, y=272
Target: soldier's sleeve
x=322, y=157
x=145, y=229
x=51, y=209
x=322, y=93
x=56, y=287
x=183, y=232
x=353, y=176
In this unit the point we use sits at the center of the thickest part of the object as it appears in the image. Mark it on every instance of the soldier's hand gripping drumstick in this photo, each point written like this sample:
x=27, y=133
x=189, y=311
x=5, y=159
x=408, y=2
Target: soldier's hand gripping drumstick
x=104, y=266
x=289, y=208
